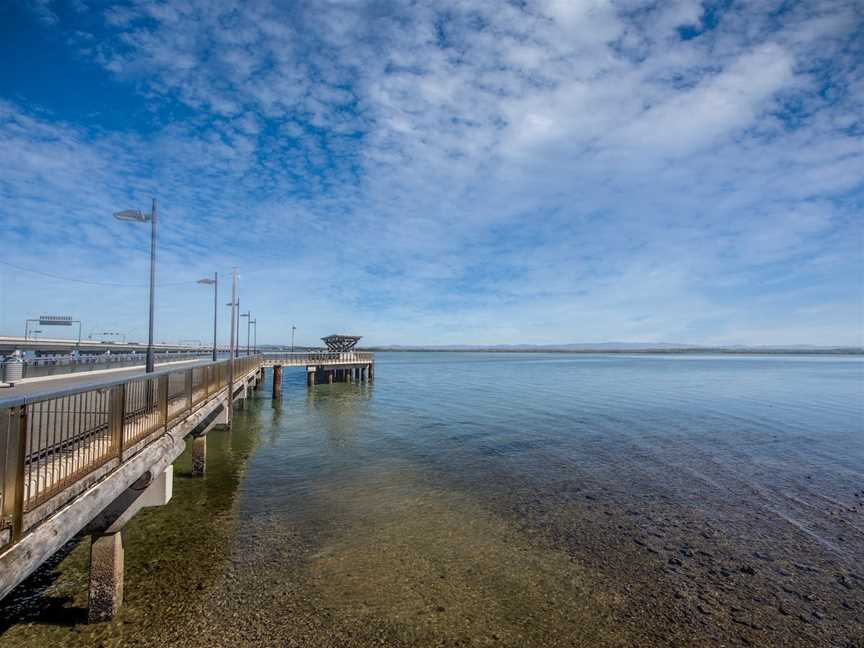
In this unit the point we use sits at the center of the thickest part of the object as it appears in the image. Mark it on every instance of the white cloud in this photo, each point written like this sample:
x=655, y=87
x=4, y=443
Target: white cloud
x=717, y=106
x=572, y=168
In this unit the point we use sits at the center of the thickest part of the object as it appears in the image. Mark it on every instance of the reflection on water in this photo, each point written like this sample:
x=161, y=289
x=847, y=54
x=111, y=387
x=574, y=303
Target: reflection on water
x=337, y=408
x=540, y=500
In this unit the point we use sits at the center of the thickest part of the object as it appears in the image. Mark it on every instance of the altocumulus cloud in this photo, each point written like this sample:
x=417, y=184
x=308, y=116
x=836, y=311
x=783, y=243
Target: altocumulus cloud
x=443, y=172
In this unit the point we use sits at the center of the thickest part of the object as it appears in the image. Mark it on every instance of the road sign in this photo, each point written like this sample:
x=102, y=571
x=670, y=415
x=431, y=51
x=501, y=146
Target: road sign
x=55, y=320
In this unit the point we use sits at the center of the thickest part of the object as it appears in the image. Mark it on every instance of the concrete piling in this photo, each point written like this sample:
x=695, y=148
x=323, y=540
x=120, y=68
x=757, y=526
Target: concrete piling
x=106, y=576
x=199, y=455
x=277, y=382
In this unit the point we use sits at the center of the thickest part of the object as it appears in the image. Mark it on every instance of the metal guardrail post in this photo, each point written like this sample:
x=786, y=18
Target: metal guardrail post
x=162, y=400
x=116, y=415
x=4, y=444
x=16, y=455
x=189, y=389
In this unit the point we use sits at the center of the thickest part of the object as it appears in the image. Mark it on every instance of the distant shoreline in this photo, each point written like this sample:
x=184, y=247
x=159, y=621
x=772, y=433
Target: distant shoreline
x=682, y=351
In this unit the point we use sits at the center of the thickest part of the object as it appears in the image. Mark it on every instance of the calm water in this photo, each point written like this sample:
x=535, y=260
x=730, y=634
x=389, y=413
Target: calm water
x=514, y=499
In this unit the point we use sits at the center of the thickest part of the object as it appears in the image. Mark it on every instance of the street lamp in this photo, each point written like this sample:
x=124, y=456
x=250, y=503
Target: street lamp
x=293, y=328
x=215, y=283
x=248, y=316
x=235, y=323
x=237, y=329
x=255, y=335
x=137, y=216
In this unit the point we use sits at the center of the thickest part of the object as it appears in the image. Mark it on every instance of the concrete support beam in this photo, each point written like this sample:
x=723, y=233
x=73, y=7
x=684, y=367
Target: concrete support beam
x=349, y=375
x=151, y=489
x=242, y=395
x=106, y=541
x=310, y=376
x=106, y=576
x=199, y=455
x=223, y=419
x=330, y=376
x=277, y=382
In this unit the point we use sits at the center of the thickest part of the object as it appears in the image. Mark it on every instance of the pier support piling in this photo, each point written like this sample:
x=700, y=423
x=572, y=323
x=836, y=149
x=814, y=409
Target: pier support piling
x=277, y=382
x=199, y=455
x=106, y=546
x=106, y=576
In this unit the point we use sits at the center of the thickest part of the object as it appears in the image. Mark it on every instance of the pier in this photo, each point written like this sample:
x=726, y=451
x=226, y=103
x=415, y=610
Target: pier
x=340, y=363
x=85, y=458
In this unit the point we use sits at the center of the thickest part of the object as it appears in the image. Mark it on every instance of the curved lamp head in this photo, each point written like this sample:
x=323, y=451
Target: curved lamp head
x=135, y=215
x=206, y=282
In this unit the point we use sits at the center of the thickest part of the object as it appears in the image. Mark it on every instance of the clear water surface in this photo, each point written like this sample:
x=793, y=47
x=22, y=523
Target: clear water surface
x=523, y=499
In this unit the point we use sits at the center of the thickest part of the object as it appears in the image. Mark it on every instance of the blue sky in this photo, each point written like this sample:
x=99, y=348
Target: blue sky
x=460, y=171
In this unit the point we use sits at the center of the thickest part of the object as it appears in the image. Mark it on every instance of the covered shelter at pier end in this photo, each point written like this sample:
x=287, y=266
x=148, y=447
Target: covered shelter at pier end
x=341, y=343
x=339, y=363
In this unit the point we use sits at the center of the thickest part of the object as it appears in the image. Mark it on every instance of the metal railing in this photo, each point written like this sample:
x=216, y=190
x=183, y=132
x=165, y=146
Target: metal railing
x=319, y=357
x=65, y=364
x=51, y=441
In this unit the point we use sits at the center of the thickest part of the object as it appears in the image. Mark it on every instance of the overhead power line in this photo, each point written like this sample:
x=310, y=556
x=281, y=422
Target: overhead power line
x=89, y=282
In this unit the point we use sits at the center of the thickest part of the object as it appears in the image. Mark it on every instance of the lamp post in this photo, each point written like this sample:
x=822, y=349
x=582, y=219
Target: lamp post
x=234, y=304
x=215, y=283
x=235, y=323
x=255, y=336
x=237, y=329
x=139, y=217
x=293, y=328
x=248, y=316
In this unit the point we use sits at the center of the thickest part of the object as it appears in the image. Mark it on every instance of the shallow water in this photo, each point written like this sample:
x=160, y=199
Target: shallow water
x=510, y=499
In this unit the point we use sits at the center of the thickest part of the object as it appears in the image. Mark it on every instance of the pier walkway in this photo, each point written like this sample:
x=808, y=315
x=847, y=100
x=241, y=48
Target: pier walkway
x=85, y=456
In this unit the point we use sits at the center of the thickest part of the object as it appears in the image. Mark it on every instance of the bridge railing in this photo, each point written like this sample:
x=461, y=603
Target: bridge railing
x=319, y=357
x=72, y=437
x=63, y=364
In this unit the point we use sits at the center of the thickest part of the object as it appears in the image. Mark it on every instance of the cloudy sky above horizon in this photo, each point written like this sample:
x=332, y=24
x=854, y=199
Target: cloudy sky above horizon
x=440, y=172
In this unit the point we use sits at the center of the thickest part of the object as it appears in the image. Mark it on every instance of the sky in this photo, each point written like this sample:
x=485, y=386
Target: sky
x=439, y=172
